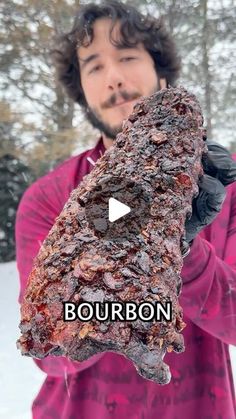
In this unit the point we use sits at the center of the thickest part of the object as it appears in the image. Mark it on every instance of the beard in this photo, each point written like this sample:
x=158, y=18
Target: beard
x=96, y=122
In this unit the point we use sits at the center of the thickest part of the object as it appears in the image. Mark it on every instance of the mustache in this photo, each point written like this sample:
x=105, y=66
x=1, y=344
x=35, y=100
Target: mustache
x=114, y=97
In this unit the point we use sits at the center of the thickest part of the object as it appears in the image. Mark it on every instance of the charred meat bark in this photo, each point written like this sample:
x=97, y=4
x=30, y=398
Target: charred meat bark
x=159, y=148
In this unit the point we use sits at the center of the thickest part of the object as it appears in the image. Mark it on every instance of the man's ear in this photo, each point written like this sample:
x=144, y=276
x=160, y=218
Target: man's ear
x=163, y=83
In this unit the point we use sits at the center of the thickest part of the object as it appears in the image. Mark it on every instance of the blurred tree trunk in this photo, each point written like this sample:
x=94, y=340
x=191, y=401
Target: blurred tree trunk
x=206, y=67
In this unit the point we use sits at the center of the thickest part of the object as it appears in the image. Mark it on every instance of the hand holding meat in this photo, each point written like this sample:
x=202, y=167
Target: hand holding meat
x=219, y=171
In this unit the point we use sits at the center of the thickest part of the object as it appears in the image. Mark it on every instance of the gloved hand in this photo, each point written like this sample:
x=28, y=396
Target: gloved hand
x=219, y=171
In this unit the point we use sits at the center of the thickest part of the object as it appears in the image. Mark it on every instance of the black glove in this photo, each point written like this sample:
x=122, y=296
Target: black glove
x=219, y=164
x=219, y=171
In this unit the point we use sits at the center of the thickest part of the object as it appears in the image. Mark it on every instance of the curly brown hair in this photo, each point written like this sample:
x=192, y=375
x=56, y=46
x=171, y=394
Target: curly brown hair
x=134, y=28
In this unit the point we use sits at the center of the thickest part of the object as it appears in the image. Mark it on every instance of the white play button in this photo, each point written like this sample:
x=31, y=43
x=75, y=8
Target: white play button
x=117, y=209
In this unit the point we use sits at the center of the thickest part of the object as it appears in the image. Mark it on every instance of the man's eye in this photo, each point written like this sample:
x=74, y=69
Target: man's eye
x=95, y=69
x=127, y=58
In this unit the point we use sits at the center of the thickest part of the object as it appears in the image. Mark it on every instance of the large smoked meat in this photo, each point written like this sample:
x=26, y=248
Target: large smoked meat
x=160, y=149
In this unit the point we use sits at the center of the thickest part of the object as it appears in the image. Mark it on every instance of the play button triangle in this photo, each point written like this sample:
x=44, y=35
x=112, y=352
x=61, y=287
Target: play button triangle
x=117, y=210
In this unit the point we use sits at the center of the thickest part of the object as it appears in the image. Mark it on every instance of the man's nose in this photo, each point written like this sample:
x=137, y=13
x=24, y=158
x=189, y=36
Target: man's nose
x=115, y=80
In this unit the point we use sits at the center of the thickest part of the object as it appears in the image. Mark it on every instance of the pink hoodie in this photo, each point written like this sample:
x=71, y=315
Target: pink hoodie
x=107, y=385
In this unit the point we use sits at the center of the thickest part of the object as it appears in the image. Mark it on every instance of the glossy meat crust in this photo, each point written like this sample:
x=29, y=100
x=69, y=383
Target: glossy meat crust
x=160, y=148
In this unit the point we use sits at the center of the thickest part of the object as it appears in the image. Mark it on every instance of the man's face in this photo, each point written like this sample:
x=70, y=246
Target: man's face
x=113, y=79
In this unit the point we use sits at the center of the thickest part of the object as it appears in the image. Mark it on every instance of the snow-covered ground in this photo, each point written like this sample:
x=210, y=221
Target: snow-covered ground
x=20, y=379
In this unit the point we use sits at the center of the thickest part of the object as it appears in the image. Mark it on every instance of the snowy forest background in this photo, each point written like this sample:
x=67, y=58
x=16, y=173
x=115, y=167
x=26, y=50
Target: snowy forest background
x=40, y=126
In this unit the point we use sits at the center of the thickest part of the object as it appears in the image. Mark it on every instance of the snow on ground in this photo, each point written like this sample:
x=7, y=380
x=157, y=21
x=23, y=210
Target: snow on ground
x=20, y=378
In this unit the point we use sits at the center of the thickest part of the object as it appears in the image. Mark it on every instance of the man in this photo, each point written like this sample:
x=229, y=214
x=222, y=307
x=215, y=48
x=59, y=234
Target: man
x=112, y=57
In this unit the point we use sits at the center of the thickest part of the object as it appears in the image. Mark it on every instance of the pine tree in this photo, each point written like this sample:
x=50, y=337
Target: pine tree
x=14, y=179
